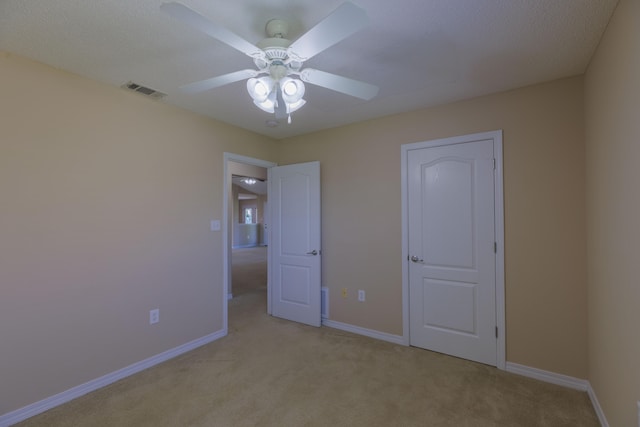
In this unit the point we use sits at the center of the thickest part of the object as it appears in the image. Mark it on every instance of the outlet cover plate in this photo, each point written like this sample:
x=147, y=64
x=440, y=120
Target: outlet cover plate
x=154, y=316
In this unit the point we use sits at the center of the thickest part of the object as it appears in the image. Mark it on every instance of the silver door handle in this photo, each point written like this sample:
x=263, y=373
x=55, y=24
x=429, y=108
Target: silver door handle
x=416, y=259
x=313, y=252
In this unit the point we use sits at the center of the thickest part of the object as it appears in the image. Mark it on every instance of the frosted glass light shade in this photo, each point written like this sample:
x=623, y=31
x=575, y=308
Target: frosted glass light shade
x=292, y=90
x=260, y=88
x=267, y=105
x=291, y=107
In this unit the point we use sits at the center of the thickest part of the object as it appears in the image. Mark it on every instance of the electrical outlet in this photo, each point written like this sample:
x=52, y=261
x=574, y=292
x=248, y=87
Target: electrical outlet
x=154, y=316
x=361, y=295
x=344, y=292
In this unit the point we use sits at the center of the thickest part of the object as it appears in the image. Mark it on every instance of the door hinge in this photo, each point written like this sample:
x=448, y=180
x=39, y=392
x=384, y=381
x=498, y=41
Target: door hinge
x=496, y=332
x=495, y=247
x=494, y=164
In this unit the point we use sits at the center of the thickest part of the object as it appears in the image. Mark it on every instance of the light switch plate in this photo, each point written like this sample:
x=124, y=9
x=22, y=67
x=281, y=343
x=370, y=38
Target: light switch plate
x=215, y=225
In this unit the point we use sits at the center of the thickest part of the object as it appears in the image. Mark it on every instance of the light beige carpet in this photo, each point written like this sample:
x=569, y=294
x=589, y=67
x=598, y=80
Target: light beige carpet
x=248, y=270
x=271, y=372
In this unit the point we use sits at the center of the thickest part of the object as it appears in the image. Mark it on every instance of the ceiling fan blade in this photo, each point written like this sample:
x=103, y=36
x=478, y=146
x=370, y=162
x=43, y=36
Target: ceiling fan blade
x=337, y=26
x=196, y=20
x=345, y=85
x=214, y=82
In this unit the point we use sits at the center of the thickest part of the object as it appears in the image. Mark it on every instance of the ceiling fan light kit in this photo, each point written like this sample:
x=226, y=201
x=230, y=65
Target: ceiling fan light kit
x=260, y=88
x=249, y=181
x=280, y=89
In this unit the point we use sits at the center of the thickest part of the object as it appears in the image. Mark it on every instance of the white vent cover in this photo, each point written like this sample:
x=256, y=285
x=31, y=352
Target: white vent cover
x=147, y=91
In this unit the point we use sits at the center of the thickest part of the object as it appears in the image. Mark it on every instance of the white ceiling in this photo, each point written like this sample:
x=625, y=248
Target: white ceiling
x=419, y=52
x=260, y=186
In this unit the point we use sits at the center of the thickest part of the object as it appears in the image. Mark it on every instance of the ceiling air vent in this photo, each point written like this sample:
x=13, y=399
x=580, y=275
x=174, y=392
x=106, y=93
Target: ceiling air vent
x=151, y=93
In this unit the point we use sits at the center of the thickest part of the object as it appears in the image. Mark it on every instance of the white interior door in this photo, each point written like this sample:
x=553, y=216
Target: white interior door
x=294, y=199
x=452, y=270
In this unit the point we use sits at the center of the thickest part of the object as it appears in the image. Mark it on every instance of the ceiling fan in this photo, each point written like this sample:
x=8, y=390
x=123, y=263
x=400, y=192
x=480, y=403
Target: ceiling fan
x=276, y=86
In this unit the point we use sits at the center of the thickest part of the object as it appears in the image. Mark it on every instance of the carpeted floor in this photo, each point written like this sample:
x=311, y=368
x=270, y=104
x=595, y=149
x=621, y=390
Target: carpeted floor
x=248, y=270
x=271, y=372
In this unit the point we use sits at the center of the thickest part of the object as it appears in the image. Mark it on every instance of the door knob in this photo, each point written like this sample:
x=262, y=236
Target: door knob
x=313, y=252
x=416, y=259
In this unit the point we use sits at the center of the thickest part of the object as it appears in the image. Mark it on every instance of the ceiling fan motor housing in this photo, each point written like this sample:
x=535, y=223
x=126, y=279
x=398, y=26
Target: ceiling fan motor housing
x=277, y=28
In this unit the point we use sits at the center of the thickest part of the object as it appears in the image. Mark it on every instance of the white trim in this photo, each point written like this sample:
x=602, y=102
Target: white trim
x=501, y=361
x=404, y=194
x=80, y=390
x=396, y=339
x=225, y=229
x=548, y=377
x=561, y=380
x=598, y=408
x=496, y=136
x=324, y=299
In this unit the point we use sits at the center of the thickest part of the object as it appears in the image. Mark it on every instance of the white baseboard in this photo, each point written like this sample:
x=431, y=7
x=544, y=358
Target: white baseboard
x=562, y=380
x=75, y=392
x=597, y=407
x=549, y=377
x=396, y=339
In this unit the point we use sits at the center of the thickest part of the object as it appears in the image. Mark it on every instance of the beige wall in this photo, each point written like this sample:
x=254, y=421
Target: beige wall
x=544, y=215
x=612, y=114
x=106, y=200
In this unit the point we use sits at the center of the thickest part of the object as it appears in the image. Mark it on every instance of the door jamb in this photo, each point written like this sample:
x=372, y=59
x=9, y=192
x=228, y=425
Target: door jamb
x=496, y=136
x=226, y=241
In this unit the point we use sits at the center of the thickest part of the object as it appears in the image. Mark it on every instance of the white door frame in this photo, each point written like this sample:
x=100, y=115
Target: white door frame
x=226, y=241
x=496, y=136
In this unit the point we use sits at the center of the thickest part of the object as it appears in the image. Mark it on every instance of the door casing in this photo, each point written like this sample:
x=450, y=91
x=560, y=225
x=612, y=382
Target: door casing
x=496, y=137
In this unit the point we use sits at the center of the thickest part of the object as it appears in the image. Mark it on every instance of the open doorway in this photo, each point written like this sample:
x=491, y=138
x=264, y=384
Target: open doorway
x=245, y=231
x=250, y=226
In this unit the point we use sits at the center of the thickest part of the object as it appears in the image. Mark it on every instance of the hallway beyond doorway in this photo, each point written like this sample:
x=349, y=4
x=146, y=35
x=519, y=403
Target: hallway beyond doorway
x=249, y=270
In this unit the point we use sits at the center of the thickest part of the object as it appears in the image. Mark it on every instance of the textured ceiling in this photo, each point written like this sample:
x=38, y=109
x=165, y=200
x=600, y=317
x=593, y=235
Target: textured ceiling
x=419, y=52
x=259, y=187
